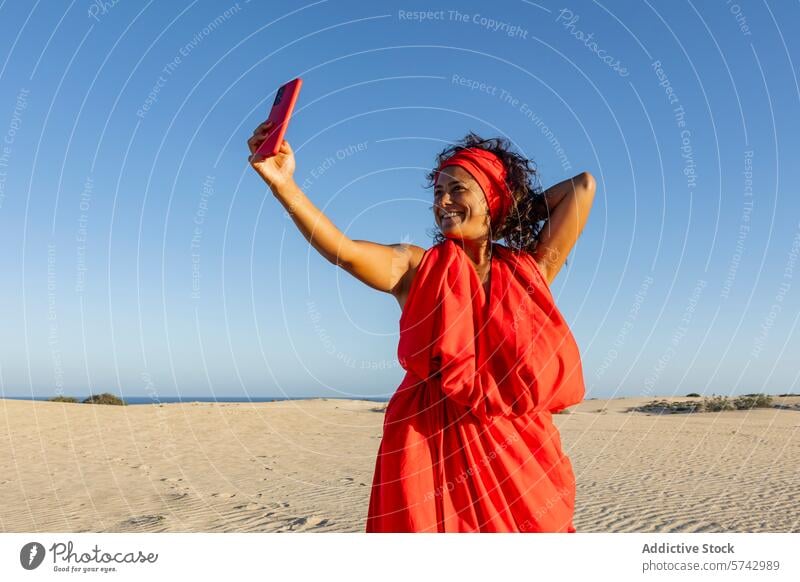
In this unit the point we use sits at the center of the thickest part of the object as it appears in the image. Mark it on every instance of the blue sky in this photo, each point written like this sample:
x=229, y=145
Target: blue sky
x=141, y=255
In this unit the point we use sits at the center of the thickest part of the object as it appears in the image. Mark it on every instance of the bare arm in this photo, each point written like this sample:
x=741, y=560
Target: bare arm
x=569, y=202
x=380, y=266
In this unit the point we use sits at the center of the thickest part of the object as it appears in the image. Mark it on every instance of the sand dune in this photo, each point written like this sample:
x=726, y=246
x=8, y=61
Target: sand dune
x=307, y=466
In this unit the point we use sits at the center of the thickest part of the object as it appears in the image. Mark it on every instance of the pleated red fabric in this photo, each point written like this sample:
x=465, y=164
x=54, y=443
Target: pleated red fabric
x=469, y=443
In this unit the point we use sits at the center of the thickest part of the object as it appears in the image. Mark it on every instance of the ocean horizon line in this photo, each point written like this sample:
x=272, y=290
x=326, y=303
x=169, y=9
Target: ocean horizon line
x=149, y=399
x=144, y=399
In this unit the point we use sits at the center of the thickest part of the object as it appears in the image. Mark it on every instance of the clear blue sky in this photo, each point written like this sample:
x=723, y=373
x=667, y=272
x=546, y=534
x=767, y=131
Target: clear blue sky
x=142, y=255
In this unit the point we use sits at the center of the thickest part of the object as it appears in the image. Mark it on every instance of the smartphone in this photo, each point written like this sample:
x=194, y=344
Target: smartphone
x=280, y=113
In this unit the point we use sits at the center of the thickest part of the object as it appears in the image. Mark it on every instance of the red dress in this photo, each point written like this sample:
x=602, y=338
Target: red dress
x=469, y=443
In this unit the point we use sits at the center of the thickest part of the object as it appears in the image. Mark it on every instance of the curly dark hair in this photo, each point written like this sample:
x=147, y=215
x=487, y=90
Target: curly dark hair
x=526, y=218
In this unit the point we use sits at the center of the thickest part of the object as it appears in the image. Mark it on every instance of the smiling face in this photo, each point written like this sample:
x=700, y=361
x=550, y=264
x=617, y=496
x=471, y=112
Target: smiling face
x=459, y=205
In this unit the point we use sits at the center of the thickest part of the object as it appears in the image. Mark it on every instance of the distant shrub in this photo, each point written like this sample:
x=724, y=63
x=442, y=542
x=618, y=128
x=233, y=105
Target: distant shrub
x=749, y=401
x=693, y=395
x=667, y=407
x=70, y=399
x=712, y=404
x=717, y=404
x=105, y=398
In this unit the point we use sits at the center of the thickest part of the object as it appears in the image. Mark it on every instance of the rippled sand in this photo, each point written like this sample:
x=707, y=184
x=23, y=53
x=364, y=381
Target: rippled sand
x=307, y=466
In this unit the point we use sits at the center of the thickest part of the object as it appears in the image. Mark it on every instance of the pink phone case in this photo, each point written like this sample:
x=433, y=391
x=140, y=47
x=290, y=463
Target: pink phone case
x=281, y=111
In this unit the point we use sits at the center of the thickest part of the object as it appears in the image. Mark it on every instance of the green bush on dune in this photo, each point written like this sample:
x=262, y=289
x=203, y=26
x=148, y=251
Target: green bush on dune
x=70, y=399
x=708, y=404
x=105, y=398
x=717, y=404
x=749, y=401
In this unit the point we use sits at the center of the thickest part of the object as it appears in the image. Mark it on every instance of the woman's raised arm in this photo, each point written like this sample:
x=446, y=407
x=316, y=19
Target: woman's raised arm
x=569, y=202
x=380, y=266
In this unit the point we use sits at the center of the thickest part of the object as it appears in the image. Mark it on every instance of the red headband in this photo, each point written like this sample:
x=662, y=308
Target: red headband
x=490, y=173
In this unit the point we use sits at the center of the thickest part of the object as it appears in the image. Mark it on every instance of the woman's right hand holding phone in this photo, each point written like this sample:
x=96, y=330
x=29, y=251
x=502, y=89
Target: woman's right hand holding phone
x=278, y=170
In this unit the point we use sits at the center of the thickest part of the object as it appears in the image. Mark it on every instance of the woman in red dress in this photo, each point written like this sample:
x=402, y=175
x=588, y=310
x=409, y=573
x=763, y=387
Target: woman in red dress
x=469, y=443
